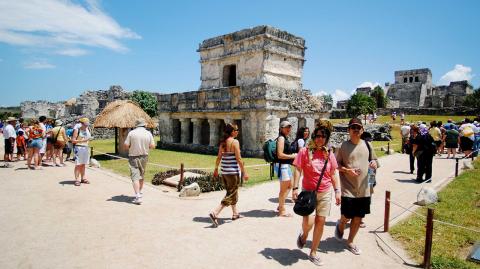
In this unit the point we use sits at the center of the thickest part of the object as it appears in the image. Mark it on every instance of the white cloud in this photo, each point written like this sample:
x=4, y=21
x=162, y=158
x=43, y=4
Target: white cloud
x=61, y=25
x=39, y=64
x=320, y=93
x=72, y=52
x=368, y=84
x=459, y=72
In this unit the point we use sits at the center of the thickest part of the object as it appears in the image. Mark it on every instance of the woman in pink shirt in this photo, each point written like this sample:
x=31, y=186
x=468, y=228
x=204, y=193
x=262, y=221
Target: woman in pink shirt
x=309, y=162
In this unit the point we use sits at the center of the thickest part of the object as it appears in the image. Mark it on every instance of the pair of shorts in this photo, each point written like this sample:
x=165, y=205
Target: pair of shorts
x=43, y=149
x=137, y=165
x=20, y=150
x=35, y=143
x=284, y=172
x=466, y=143
x=355, y=207
x=8, y=147
x=324, y=203
x=82, y=155
x=59, y=144
x=438, y=143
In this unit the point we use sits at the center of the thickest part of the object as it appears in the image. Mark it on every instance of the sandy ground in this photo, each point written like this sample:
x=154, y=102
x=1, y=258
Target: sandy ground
x=47, y=222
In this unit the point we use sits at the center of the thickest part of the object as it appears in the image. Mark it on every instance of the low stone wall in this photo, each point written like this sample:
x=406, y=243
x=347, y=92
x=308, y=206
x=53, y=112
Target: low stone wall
x=446, y=111
x=203, y=149
x=338, y=114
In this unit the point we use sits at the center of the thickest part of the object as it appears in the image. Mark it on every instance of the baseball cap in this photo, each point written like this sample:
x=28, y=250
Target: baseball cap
x=355, y=121
x=284, y=124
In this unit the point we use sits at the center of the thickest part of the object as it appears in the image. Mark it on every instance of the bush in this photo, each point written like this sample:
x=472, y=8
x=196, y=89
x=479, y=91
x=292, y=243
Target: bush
x=206, y=182
x=360, y=104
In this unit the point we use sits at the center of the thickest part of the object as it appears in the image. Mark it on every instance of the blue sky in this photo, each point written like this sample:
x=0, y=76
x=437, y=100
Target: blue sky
x=56, y=49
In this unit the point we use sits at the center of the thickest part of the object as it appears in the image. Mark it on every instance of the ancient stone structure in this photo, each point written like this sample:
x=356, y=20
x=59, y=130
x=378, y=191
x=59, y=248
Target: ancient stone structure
x=253, y=78
x=414, y=88
x=88, y=104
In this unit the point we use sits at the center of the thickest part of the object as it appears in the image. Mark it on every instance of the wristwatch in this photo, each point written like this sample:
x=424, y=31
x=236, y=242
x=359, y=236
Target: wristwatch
x=295, y=188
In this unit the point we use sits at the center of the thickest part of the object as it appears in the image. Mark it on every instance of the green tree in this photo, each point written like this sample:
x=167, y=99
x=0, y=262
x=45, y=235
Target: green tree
x=360, y=104
x=378, y=95
x=147, y=101
x=473, y=100
x=327, y=98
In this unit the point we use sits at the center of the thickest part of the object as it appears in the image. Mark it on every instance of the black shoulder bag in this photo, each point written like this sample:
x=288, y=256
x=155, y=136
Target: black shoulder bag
x=307, y=200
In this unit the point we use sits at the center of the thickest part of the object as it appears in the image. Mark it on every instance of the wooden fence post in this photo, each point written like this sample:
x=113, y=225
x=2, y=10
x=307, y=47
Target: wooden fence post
x=456, y=167
x=388, y=148
x=180, y=182
x=386, y=218
x=428, y=240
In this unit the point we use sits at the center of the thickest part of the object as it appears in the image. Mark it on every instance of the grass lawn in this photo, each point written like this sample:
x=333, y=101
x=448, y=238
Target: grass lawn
x=172, y=158
x=459, y=204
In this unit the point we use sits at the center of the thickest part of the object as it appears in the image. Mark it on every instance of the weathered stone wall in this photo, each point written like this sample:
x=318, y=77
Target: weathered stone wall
x=450, y=111
x=424, y=76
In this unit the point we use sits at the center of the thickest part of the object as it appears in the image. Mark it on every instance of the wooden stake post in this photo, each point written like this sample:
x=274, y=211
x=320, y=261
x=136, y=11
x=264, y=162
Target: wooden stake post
x=428, y=240
x=386, y=218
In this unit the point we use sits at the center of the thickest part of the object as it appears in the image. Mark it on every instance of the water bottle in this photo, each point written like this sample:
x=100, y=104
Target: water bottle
x=371, y=177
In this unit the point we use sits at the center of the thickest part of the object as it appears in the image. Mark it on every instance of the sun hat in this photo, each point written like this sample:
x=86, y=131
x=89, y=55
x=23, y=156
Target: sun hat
x=84, y=120
x=140, y=122
x=285, y=123
x=9, y=119
x=58, y=122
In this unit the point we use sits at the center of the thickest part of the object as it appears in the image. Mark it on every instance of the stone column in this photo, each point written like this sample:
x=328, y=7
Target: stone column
x=214, y=132
x=185, y=130
x=197, y=131
x=249, y=131
x=293, y=132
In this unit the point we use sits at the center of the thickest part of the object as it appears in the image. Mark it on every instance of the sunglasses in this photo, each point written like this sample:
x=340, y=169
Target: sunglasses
x=355, y=127
x=320, y=136
x=236, y=130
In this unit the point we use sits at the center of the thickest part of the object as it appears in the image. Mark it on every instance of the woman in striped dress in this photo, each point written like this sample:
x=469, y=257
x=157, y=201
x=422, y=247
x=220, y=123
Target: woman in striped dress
x=232, y=168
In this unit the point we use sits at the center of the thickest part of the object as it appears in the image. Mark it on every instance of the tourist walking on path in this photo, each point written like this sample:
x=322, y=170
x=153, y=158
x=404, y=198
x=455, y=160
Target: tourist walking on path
x=451, y=140
x=232, y=168
x=353, y=165
x=424, y=148
x=405, y=133
x=436, y=134
x=81, y=136
x=284, y=158
x=42, y=120
x=440, y=126
x=310, y=162
x=9, y=136
x=34, y=144
x=139, y=141
x=21, y=145
x=59, y=140
x=476, y=144
x=467, y=137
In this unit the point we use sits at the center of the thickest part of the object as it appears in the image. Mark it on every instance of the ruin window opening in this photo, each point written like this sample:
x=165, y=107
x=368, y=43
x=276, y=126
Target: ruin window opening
x=230, y=75
x=205, y=133
x=411, y=79
x=405, y=80
x=177, y=133
x=190, y=133
x=416, y=79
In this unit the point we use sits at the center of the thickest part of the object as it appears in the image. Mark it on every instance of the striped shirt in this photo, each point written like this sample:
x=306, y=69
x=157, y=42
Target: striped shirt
x=229, y=164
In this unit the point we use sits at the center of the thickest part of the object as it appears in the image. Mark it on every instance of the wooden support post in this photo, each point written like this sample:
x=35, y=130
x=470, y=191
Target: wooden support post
x=388, y=148
x=428, y=240
x=180, y=182
x=116, y=141
x=456, y=167
x=386, y=218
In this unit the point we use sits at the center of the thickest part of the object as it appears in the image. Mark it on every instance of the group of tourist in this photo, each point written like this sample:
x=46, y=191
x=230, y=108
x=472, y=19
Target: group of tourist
x=43, y=142
x=313, y=161
x=423, y=142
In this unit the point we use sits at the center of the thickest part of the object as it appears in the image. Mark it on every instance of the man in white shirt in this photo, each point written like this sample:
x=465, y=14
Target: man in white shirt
x=9, y=135
x=42, y=151
x=139, y=141
x=405, y=132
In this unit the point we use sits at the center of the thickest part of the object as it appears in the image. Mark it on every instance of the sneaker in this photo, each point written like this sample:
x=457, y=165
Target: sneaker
x=137, y=200
x=338, y=234
x=315, y=260
x=354, y=249
x=300, y=243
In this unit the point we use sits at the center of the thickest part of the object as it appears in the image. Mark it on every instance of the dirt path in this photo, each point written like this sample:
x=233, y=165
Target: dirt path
x=47, y=222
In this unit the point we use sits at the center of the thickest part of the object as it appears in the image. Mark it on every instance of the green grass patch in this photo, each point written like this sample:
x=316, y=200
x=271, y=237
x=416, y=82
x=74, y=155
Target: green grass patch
x=459, y=204
x=173, y=158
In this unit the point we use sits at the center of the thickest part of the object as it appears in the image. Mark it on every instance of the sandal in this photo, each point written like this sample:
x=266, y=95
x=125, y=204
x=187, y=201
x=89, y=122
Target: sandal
x=315, y=260
x=237, y=216
x=214, y=219
x=300, y=243
x=354, y=249
x=285, y=215
x=363, y=225
x=85, y=181
x=77, y=183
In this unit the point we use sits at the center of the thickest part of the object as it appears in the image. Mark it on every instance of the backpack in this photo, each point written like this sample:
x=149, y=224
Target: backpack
x=270, y=150
x=294, y=146
x=467, y=131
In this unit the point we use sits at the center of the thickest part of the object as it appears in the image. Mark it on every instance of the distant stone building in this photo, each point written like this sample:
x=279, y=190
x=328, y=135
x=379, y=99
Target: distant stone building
x=342, y=104
x=88, y=104
x=365, y=90
x=414, y=88
x=251, y=77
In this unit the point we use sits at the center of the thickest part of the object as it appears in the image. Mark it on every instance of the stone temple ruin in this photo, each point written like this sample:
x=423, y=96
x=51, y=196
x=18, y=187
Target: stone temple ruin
x=414, y=88
x=251, y=77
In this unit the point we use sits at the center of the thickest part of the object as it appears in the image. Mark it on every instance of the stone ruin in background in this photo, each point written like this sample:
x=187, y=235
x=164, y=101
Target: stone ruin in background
x=252, y=78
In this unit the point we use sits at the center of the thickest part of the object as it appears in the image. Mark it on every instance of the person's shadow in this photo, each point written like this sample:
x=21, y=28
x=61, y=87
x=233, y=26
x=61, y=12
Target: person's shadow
x=284, y=256
x=122, y=199
x=260, y=213
x=67, y=182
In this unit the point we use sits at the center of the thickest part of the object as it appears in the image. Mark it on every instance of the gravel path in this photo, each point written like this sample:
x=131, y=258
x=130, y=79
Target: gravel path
x=47, y=222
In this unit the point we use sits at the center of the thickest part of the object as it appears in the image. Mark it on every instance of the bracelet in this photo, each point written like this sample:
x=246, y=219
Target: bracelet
x=295, y=188
x=337, y=190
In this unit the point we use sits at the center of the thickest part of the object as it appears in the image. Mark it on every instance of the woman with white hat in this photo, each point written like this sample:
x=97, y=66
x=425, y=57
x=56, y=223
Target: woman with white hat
x=80, y=138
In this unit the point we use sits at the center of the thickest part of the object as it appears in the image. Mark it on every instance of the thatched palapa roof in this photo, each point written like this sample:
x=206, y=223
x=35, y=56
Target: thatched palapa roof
x=122, y=114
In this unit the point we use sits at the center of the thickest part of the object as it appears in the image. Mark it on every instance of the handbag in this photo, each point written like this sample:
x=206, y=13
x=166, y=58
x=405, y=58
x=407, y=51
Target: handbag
x=307, y=200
